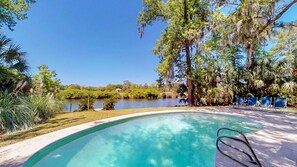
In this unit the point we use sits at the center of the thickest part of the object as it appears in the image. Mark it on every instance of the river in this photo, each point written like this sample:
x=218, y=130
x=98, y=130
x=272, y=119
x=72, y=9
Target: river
x=125, y=104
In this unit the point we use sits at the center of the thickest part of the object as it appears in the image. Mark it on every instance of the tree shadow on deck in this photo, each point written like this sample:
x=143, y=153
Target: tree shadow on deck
x=275, y=145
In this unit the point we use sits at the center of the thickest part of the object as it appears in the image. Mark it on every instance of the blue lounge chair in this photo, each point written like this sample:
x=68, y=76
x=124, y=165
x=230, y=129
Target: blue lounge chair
x=252, y=101
x=239, y=101
x=280, y=103
x=266, y=102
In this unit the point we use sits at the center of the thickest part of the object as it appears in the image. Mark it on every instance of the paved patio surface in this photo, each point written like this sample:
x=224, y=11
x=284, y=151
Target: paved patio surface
x=275, y=145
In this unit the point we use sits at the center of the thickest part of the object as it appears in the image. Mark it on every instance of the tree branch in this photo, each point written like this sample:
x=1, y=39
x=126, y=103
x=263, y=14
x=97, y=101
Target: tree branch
x=277, y=16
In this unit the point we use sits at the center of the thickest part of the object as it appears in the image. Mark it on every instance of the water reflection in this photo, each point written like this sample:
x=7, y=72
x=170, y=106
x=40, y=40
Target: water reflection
x=124, y=104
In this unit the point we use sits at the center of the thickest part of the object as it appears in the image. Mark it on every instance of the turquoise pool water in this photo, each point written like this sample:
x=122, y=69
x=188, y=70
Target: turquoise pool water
x=169, y=140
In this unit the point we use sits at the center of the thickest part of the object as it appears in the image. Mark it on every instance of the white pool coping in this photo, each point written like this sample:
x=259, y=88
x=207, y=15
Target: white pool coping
x=17, y=154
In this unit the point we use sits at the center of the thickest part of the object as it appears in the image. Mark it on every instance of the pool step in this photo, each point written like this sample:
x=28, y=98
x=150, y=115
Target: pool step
x=245, y=157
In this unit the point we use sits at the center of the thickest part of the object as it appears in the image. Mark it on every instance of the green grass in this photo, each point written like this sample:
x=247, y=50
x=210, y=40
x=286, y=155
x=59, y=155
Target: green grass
x=65, y=120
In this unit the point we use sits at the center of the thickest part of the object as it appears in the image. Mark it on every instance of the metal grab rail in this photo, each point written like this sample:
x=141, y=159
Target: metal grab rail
x=228, y=129
x=240, y=150
x=252, y=158
x=233, y=130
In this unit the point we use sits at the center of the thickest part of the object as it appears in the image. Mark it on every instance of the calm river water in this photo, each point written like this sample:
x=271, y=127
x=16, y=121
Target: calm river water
x=123, y=104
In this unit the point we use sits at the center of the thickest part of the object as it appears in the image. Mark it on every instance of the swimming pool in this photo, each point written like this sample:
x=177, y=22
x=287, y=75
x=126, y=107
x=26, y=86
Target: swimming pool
x=176, y=139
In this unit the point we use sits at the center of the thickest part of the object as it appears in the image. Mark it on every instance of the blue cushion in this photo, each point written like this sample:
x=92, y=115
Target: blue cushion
x=240, y=100
x=280, y=102
x=266, y=101
x=252, y=101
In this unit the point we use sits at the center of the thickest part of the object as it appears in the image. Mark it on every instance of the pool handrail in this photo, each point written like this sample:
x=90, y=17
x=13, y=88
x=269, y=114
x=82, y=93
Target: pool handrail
x=245, y=139
x=252, y=158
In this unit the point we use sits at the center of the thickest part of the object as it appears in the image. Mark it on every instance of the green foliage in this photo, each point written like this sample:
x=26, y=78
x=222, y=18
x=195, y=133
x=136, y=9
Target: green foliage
x=134, y=92
x=125, y=96
x=168, y=95
x=13, y=65
x=86, y=104
x=13, y=114
x=44, y=106
x=22, y=112
x=182, y=90
x=252, y=22
x=109, y=103
x=149, y=93
x=81, y=94
x=219, y=78
x=201, y=44
x=113, y=87
x=46, y=81
x=188, y=23
x=286, y=45
x=12, y=10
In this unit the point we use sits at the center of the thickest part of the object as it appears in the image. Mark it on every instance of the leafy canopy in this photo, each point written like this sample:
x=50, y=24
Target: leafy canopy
x=46, y=81
x=251, y=22
x=187, y=22
x=12, y=10
x=13, y=64
x=286, y=43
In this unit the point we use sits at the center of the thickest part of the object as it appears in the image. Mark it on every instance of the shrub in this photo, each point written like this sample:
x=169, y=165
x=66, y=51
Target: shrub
x=108, y=104
x=292, y=101
x=44, y=106
x=81, y=94
x=86, y=104
x=105, y=95
x=168, y=95
x=142, y=93
x=152, y=94
x=203, y=101
x=14, y=115
x=125, y=96
x=17, y=113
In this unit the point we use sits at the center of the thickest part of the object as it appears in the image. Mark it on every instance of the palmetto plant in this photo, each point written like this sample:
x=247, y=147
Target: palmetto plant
x=13, y=114
x=13, y=65
x=43, y=106
x=219, y=79
x=17, y=113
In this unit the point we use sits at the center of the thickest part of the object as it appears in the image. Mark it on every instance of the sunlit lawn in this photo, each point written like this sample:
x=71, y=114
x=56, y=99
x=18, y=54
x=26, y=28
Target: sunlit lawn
x=65, y=120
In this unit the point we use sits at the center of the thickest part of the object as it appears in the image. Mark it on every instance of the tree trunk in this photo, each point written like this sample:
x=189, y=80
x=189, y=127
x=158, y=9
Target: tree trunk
x=250, y=53
x=191, y=100
x=189, y=64
x=70, y=107
x=88, y=103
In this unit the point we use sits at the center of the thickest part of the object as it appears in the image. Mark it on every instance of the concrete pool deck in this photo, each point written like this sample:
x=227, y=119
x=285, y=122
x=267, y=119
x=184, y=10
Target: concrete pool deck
x=275, y=145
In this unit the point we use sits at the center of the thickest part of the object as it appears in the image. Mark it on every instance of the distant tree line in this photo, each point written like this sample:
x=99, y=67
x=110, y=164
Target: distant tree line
x=127, y=90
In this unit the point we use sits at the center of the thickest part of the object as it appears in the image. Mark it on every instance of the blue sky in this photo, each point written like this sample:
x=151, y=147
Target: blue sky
x=91, y=42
